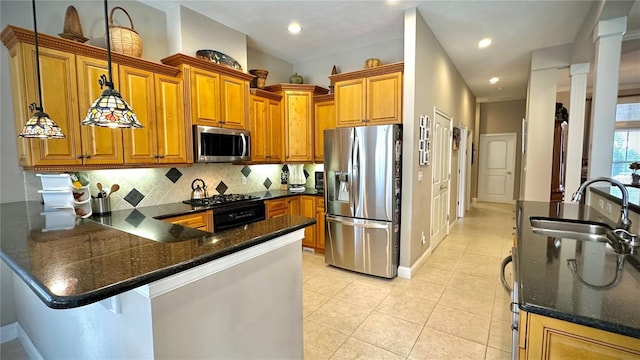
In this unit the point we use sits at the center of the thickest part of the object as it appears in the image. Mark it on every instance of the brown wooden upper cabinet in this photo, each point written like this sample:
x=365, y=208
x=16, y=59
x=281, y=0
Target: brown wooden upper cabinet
x=325, y=118
x=219, y=95
x=265, y=123
x=69, y=77
x=159, y=105
x=298, y=119
x=370, y=96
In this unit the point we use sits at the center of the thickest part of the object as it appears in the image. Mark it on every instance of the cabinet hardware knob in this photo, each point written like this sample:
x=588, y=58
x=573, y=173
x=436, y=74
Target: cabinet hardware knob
x=161, y=156
x=87, y=156
x=79, y=157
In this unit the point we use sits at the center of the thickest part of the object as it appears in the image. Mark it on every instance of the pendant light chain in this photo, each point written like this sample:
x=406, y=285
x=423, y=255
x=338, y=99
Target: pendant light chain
x=35, y=31
x=39, y=124
x=110, y=109
x=108, y=38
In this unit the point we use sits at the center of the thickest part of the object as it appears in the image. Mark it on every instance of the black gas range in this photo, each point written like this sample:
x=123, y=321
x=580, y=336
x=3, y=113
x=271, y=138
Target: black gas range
x=231, y=210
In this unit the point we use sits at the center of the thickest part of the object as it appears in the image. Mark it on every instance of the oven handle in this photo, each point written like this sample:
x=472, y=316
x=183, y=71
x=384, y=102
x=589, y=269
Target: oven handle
x=503, y=267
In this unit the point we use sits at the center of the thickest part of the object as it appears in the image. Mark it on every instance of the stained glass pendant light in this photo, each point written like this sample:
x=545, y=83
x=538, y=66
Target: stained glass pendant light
x=110, y=109
x=39, y=125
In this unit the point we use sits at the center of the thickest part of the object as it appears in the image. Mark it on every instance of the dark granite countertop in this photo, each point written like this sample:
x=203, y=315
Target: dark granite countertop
x=614, y=194
x=606, y=298
x=274, y=194
x=102, y=257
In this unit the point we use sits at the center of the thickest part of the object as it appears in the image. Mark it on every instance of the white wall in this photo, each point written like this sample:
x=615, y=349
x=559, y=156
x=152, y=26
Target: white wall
x=90, y=331
x=199, y=32
x=279, y=70
x=317, y=71
x=436, y=83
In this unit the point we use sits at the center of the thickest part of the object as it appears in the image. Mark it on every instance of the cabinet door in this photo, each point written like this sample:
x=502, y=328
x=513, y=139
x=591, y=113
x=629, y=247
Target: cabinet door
x=100, y=145
x=274, y=131
x=59, y=99
x=205, y=97
x=172, y=131
x=298, y=115
x=320, y=224
x=550, y=338
x=137, y=88
x=384, y=99
x=21, y=100
x=293, y=206
x=259, y=128
x=234, y=102
x=308, y=209
x=350, y=102
x=325, y=118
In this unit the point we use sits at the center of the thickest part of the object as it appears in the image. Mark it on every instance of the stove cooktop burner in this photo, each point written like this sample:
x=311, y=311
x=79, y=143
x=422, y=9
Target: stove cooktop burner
x=221, y=199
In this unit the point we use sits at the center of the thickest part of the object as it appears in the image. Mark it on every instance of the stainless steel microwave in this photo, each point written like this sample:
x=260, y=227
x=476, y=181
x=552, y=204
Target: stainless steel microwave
x=213, y=144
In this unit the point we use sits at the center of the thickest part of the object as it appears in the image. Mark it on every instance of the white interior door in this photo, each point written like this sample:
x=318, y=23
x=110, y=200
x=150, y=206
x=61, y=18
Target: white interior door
x=496, y=168
x=440, y=190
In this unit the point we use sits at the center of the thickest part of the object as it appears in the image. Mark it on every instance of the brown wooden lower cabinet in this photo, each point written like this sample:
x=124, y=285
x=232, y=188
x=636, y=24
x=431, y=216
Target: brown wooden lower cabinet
x=320, y=224
x=201, y=220
x=543, y=337
x=304, y=205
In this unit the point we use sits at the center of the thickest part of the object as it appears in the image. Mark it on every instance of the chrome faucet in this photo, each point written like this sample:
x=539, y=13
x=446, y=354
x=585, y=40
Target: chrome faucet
x=624, y=223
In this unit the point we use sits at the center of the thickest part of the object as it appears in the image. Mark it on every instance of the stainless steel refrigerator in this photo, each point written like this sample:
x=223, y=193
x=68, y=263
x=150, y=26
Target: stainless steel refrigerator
x=362, y=198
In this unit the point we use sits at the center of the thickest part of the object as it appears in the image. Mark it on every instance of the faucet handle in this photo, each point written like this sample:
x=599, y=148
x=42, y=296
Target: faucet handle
x=576, y=196
x=628, y=237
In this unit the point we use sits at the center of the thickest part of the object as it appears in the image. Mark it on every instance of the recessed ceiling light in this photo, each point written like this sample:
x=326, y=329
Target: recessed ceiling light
x=494, y=80
x=484, y=43
x=294, y=28
x=392, y=2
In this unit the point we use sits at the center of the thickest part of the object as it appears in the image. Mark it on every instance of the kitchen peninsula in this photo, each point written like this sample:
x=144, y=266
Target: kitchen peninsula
x=576, y=297
x=131, y=286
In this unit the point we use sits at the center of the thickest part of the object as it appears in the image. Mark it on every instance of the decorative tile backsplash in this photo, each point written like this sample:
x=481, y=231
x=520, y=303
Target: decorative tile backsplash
x=147, y=187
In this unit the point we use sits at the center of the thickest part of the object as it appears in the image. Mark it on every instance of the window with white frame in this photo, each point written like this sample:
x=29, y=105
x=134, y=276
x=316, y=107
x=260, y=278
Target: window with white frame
x=626, y=142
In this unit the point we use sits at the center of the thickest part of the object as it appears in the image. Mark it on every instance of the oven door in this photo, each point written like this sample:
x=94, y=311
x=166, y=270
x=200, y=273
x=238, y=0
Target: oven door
x=235, y=215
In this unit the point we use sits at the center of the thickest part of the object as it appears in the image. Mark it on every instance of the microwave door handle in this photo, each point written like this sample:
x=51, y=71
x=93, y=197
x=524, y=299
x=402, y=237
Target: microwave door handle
x=244, y=145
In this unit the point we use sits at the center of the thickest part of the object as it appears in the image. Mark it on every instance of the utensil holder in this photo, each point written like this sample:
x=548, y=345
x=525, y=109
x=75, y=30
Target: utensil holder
x=101, y=206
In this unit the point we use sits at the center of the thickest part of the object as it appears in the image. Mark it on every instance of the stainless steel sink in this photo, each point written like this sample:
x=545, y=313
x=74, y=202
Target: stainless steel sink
x=563, y=228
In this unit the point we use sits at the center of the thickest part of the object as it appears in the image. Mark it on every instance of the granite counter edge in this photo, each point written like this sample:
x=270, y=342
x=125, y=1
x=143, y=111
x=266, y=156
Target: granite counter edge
x=69, y=302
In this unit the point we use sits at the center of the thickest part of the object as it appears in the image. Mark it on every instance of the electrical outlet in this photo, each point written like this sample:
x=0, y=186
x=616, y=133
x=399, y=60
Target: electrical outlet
x=609, y=209
x=420, y=175
x=244, y=181
x=423, y=238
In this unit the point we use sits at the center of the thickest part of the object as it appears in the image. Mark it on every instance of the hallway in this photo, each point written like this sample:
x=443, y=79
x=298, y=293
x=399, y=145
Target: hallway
x=453, y=308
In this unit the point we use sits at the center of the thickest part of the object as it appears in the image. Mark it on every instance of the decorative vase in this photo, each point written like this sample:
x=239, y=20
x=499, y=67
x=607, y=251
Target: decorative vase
x=371, y=63
x=260, y=79
x=295, y=79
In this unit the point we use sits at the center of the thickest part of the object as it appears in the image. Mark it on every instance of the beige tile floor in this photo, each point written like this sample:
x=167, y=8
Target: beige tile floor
x=453, y=307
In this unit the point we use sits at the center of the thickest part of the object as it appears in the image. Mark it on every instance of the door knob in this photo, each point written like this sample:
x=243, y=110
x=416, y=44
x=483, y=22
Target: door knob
x=508, y=172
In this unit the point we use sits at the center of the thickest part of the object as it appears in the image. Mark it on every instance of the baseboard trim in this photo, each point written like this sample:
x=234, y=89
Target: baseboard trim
x=9, y=332
x=31, y=349
x=14, y=331
x=406, y=272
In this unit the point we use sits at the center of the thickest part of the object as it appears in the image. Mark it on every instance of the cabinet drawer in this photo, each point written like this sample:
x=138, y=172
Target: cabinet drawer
x=276, y=204
x=198, y=220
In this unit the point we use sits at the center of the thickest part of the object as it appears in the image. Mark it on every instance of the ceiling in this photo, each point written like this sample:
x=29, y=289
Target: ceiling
x=517, y=27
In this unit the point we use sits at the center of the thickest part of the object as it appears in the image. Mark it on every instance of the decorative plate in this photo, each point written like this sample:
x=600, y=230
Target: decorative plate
x=218, y=58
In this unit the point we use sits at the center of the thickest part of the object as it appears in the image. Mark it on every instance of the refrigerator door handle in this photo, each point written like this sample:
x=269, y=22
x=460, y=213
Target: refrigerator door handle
x=357, y=224
x=355, y=174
